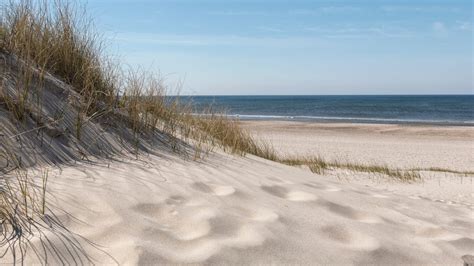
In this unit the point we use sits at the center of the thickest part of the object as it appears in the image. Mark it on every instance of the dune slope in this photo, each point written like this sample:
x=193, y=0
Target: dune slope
x=246, y=210
x=50, y=132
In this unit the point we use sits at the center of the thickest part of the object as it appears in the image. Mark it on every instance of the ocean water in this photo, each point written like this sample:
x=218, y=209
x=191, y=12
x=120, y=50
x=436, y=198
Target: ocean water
x=433, y=109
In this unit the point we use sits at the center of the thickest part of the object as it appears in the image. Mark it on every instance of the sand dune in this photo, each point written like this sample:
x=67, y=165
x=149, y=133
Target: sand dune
x=247, y=210
x=105, y=208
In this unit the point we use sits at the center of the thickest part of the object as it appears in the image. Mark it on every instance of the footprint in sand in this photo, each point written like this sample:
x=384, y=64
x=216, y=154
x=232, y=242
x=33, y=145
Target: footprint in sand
x=350, y=238
x=189, y=231
x=179, y=220
x=214, y=189
x=292, y=195
x=350, y=213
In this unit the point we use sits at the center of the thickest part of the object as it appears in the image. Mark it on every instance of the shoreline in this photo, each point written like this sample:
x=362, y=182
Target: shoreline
x=385, y=109
x=100, y=166
x=374, y=121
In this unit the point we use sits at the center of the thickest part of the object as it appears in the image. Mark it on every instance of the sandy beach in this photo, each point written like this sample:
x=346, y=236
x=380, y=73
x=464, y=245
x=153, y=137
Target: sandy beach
x=102, y=164
x=230, y=209
x=403, y=146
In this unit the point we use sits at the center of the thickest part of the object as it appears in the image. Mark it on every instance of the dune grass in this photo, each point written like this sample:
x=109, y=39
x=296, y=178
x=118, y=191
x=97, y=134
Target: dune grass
x=58, y=38
x=445, y=170
x=318, y=165
x=225, y=132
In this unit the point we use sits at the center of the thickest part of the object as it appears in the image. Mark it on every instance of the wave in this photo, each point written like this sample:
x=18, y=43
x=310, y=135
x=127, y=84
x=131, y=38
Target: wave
x=349, y=119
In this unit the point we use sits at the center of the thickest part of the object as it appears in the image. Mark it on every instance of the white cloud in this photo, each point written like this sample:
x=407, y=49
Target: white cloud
x=439, y=27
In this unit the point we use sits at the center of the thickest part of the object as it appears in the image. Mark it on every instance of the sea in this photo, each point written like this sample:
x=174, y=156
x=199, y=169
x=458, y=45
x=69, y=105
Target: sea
x=394, y=109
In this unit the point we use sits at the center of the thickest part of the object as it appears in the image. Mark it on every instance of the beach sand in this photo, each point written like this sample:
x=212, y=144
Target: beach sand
x=246, y=210
x=122, y=187
x=400, y=146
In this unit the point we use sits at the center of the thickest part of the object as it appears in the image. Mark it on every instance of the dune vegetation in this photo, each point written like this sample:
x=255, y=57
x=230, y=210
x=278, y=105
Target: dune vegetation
x=319, y=166
x=62, y=99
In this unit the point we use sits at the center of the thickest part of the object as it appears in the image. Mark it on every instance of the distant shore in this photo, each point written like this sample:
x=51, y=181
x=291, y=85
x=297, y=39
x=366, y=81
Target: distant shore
x=395, y=145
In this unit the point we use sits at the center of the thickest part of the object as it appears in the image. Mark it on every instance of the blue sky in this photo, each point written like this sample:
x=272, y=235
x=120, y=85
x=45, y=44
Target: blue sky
x=296, y=47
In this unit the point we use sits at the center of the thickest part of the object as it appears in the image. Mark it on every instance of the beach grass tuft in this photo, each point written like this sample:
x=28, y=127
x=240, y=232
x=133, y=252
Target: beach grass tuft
x=318, y=165
x=58, y=37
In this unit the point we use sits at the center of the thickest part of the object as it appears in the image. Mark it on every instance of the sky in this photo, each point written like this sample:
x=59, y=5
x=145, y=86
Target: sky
x=298, y=47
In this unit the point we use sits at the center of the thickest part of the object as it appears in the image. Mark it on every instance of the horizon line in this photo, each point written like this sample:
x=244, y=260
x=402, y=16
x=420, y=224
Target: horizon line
x=230, y=95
